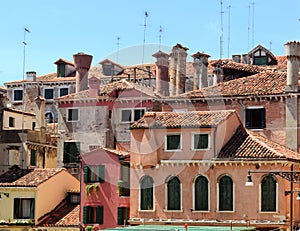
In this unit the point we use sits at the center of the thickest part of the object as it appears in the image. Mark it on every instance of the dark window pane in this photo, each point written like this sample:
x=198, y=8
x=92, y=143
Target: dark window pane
x=11, y=121
x=123, y=215
x=63, y=91
x=18, y=95
x=23, y=208
x=73, y=114
x=33, y=157
x=174, y=194
x=268, y=194
x=201, y=193
x=71, y=152
x=226, y=194
x=48, y=93
x=146, y=186
x=255, y=118
x=200, y=141
x=173, y=142
x=126, y=116
x=138, y=113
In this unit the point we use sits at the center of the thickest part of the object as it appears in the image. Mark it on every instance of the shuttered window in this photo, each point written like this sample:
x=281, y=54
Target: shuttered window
x=146, y=200
x=173, y=142
x=174, y=194
x=201, y=193
x=33, y=157
x=71, y=152
x=93, y=214
x=268, y=194
x=123, y=215
x=255, y=118
x=94, y=173
x=226, y=194
x=125, y=179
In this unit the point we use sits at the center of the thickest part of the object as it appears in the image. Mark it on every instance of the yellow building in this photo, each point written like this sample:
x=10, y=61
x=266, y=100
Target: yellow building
x=28, y=194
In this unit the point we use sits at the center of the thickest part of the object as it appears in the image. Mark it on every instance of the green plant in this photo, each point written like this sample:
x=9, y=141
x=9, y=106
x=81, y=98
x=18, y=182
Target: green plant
x=120, y=184
x=89, y=228
x=90, y=187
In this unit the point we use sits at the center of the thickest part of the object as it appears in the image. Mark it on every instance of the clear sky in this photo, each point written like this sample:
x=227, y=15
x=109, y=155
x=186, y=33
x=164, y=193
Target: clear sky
x=59, y=29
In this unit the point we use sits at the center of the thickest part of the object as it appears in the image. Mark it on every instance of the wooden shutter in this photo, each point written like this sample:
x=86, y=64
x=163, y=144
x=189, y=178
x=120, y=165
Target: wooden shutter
x=101, y=176
x=85, y=214
x=86, y=174
x=16, y=208
x=120, y=216
x=100, y=214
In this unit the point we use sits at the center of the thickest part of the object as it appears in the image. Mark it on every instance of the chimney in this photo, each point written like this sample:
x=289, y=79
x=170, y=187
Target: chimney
x=94, y=87
x=218, y=73
x=40, y=105
x=178, y=69
x=293, y=57
x=291, y=103
x=82, y=65
x=162, y=73
x=31, y=76
x=200, y=70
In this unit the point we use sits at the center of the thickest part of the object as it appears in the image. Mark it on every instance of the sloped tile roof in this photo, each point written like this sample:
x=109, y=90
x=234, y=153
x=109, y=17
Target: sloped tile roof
x=265, y=83
x=17, y=177
x=246, y=145
x=64, y=214
x=182, y=119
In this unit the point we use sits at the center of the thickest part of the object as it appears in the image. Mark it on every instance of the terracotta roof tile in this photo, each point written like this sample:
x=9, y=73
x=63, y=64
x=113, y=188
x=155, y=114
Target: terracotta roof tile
x=245, y=144
x=265, y=83
x=64, y=214
x=182, y=119
x=26, y=177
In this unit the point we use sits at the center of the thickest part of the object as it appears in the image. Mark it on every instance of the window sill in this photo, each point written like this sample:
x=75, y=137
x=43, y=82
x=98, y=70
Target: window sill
x=268, y=212
x=173, y=211
x=218, y=211
x=201, y=211
x=146, y=211
x=175, y=150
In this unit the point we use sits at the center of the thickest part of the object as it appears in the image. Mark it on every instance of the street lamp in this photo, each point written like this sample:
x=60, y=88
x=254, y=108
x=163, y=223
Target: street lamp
x=291, y=176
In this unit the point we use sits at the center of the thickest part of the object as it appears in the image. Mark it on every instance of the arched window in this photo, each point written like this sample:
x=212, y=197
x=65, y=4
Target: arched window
x=268, y=193
x=49, y=117
x=174, y=194
x=225, y=194
x=201, y=193
x=146, y=190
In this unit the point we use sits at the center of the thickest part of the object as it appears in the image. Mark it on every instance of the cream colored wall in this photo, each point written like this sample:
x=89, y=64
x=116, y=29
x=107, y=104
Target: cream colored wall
x=6, y=204
x=53, y=191
x=18, y=120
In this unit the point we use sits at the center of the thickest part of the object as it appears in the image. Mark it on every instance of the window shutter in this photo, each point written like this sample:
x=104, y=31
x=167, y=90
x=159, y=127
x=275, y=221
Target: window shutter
x=120, y=215
x=100, y=214
x=85, y=214
x=174, y=197
x=77, y=152
x=32, y=208
x=66, y=159
x=247, y=119
x=85, y=173
x=201, y=193
x=263, y=118
x=101, y=173
x=16, y=208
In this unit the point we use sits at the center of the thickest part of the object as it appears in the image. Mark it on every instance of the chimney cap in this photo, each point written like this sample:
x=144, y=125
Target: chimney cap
x=180, y=46
x=200, y=54
x=160, y=54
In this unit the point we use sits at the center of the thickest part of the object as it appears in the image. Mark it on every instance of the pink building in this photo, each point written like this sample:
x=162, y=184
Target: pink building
x=105, y=190
x=191, y=167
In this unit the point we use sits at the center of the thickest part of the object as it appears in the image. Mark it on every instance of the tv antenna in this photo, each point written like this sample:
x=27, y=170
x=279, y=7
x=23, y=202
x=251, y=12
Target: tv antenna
x=118, y=48
x=253, y=3
x=221, y=35
x=160, y=35
x=228, y=48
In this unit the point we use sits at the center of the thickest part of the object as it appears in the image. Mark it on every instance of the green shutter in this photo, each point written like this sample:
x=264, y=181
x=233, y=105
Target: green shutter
x=100, y=214
x=85, y=214
x=120, y=215
x=85, y=174
x=101, y=173
x=201, y=193
x=77, y=152
x=32, y=157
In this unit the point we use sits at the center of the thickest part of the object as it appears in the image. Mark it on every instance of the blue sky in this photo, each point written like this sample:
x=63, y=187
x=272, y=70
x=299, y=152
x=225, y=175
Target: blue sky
x=59, y=29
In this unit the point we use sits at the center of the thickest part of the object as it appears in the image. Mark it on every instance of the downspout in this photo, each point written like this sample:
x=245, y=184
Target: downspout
x=214, y=146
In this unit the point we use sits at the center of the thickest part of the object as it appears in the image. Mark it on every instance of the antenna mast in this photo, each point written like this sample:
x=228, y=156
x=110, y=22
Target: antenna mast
x=253, y=3
x=248, y=27
x=118, y=46
x=228, y=48
x=23, y=98
x=221, y=36
x=160, y=32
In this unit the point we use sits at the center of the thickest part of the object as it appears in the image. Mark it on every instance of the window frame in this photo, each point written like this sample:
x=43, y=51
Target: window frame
x=11, y=122
x=72, y=159
x=194, y=194
x=14, y=95
x=140, y=194
x=47, y=89
x=68, y=115
x=18, y=203
x=219, y=195
x=262, y=117
x=166, y=142
x=261, y=203
x=132, y=114
x=63, y=87
x=94, y=173
x=33, y=157
x=167, y=206
x=98, y=214
x=208, y=141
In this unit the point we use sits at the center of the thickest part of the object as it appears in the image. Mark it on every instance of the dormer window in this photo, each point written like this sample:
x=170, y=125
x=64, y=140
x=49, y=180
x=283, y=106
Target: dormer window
x=260, y=58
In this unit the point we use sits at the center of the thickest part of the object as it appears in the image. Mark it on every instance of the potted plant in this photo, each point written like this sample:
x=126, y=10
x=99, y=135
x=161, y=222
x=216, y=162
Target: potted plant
x=90, y=187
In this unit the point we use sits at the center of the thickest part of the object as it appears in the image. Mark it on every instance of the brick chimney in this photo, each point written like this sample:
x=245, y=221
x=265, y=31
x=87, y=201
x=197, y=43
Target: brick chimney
x=39, y=109
x=162, y=73
x=31, y=76
x=82, y=65
x=177, y=69
x=291, y=103
x=200, y=70
x=94, y=87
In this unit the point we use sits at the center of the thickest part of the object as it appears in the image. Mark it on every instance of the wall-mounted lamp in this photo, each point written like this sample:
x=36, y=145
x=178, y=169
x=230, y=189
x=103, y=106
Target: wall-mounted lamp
x=5, y=194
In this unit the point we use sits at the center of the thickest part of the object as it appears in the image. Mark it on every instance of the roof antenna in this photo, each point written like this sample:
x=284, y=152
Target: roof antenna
x=249, y=8
x=221, y=36
x=160, y=32
x=23, y=97
x=118, y=46
x=228, y=48
x=253, y=3
x=270, y=45
x=144, y=41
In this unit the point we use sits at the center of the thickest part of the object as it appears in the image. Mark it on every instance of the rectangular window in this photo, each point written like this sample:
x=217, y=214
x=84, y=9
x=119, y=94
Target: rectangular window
x=33, y=126
x=131, y=115
x=125, y=180
x=74, y=198
x=33, y=157
x=11, y=122
x=73, y=114
x=93, y=214
x=48, y=93
x=23, y=208
x=173, y=142
x=63, y=91
x=200, y=141
x=18, y=95
x=255, y=118
x=123, y=215
x=71, y=152
x=94, y=173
